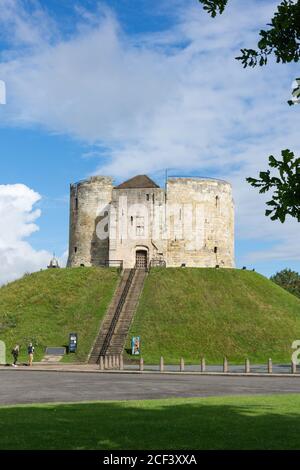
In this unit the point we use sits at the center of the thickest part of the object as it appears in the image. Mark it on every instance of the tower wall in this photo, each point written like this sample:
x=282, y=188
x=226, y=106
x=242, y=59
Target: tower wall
x=204, y=211
x=136, y=223
x=89, y=201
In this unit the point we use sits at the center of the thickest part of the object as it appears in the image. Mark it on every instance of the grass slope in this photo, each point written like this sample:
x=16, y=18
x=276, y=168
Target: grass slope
x=216, y=313
x=45, y=307
x=256, y=422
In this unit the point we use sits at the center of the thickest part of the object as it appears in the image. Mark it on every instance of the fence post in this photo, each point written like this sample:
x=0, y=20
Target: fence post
x=247, y=366
x=101, y=363
x=270, y=366
x=294, y=367
x=182, y=365
x=225, y=365
x=203, y=365
x=105, y=362
x=161, y=364
x=121, y=362
x=141, y=364
x=117, y=362
x=113, y=361
x=110, y=362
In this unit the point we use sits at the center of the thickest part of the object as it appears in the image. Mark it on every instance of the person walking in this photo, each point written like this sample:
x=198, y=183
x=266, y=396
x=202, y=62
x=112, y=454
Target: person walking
x=15, y=352
x=30, y=354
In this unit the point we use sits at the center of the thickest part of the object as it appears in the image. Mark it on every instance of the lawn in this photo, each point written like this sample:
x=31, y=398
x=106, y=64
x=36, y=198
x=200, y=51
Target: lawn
x=256, y=422
x=215, y=313
x=46, y=306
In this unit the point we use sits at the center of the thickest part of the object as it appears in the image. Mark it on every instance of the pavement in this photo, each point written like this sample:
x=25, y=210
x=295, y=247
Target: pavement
x=19, y=386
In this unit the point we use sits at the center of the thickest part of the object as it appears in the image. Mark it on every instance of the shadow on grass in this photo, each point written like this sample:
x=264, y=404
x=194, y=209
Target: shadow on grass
x=253, y=423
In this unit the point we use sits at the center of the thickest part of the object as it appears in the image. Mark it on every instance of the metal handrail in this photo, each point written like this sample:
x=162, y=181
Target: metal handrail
x=117, y=313
x=113, y=263
x=157, y=262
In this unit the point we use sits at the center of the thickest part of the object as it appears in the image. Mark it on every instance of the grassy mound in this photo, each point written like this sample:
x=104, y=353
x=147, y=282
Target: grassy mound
x=254, y=422
x=45, y=307
x=215, y=313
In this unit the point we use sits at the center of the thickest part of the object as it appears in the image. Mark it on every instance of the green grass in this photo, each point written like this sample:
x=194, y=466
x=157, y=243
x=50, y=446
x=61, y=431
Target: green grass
x=45, y=307
x=215, y=313
x=256, y=422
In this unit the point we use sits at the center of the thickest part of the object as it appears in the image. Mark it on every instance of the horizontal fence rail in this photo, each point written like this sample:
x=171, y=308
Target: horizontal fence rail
x=107, y=362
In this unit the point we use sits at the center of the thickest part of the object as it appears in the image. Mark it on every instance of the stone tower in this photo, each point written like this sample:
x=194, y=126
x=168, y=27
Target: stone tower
x=89, y=204
x=188, y=223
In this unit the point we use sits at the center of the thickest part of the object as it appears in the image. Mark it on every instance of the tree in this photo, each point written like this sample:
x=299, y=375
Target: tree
x=286, y=186
x=289, y=280
x=283, y=41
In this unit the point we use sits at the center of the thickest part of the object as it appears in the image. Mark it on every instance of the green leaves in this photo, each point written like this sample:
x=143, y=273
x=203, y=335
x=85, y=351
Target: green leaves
x=214, y=6
x=286, y=186
x=289, y=280
x=282, y=39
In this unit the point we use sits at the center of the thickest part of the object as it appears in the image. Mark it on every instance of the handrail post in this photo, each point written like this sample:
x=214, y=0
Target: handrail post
x=225, y=365
x=247, y=366
x=141, y=364
x=181, y=364
x=203, y=364
x=161, y=364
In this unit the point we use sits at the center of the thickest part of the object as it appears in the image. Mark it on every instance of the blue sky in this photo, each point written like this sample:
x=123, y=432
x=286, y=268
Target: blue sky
x=136, y=86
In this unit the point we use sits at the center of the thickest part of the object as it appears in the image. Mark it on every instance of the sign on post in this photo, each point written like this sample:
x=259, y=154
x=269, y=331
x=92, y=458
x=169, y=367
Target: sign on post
x=73, y=342
x=136, y=345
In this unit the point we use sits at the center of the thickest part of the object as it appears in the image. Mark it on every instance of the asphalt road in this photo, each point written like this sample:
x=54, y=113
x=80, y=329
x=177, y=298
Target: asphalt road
x=17, y=386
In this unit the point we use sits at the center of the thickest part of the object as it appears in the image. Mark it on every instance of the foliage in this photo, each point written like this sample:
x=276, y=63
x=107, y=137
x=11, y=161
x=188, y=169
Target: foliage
x=289, y=280
x=214, y=6
x=286, y=186
x=283, y=41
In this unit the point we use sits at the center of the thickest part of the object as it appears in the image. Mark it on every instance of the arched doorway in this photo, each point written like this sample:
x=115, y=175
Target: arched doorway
x=141, y=259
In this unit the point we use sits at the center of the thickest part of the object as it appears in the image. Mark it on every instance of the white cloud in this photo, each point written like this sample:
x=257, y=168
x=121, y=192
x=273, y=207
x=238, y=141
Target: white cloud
x=174, y=99
x=18, y=217
x=2, y=92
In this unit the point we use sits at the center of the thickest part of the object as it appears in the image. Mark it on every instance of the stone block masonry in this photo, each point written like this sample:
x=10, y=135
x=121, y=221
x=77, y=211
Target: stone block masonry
x=188, y=223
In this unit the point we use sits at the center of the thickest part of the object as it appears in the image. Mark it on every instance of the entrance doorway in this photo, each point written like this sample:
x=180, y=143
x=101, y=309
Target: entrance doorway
x=141, y=259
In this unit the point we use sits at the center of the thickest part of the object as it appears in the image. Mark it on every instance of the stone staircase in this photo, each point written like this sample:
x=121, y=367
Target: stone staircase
x=115, y=327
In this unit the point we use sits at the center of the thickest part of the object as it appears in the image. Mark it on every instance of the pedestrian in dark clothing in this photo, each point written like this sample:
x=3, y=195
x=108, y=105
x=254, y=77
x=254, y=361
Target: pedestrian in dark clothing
x=15, y=352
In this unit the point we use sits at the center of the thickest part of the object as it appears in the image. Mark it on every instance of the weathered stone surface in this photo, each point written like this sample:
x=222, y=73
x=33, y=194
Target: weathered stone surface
x=191, y=223
x=89, y=199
